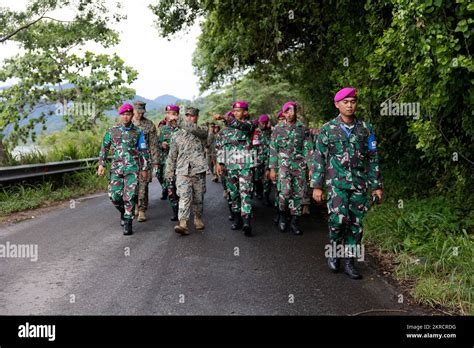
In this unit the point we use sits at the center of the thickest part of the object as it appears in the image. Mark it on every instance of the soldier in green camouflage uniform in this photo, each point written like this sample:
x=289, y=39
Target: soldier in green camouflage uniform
x=346, y=157
x=166, y=132
x=261, y=141
x=129, y=156
x=151, y=138
x=187, y=161
x=290, y=148
x=164, y=141
x=280, y=120
x=239, y=160
x=211, y=151
x=309, y=191
x=220, y=167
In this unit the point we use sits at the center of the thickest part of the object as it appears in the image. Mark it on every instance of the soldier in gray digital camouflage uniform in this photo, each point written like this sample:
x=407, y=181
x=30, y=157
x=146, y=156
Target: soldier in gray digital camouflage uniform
x=187, y=160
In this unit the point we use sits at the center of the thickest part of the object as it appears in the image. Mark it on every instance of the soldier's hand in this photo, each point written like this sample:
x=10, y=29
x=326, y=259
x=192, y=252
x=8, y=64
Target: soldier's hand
x=310, y=174
x=318, y=195
x=219, y=169
x=144, y=174
x=170, y=193
x=267, y=175
x=273, y=175
x=217, y=117
x=378, y=193
x=164, y=145
x=101, y=170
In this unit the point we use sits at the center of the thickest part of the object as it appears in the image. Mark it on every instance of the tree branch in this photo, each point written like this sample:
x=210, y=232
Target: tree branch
x=26, y=26
x=23, y=27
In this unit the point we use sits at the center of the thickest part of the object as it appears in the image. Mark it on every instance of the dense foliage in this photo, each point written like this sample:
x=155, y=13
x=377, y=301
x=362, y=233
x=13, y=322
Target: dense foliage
x=53, y=76
x=396, y=51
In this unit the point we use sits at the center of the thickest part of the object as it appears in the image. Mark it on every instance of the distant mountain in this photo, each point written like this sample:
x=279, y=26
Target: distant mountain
x=160, y=102
x=166, y=99
x=56, y=122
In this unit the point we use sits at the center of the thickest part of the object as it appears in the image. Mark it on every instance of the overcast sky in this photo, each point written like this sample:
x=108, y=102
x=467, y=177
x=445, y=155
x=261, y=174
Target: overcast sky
x=164, y=66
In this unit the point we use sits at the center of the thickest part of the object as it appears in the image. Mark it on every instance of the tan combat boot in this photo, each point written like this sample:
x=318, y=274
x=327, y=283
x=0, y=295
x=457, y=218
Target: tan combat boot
x=182, y=227
x=141, y=216
x=198, y=223
x=305, y=209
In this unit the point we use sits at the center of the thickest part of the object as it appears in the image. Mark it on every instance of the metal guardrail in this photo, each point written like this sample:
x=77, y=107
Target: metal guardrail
x=32, y=171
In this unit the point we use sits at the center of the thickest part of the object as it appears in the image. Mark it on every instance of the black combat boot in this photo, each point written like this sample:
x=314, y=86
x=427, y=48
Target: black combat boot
x=267, y=202
x=282, y=221
x=259, y=189
x=127, y=228
x=122, y=219
x=164, y=194
x=294, y=226
x=231, y=216
x=350, y=270
x=247, y=228
x=238, y=222
x=276, y=219
x=333, y=264
x=175, y=214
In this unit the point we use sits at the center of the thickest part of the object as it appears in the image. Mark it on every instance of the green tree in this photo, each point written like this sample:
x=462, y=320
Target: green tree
x=391, y=50
x=54, y=76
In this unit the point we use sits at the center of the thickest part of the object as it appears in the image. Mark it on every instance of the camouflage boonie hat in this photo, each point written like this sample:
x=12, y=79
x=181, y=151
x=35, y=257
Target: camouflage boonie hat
x=140, y=106
x=192, y=111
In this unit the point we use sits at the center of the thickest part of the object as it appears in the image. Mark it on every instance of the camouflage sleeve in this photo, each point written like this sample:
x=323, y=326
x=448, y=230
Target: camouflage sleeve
x=199, y=131
x=104, y=149
x=374, y=176
x=143, y=151
x=171, y=160
x=219, y=149
x=320, y=158
x=154, y=145
x=161, y=153
x=308, y=147
x=245, y=126
x=274, y=150
x=210, y=139
x=267, y=151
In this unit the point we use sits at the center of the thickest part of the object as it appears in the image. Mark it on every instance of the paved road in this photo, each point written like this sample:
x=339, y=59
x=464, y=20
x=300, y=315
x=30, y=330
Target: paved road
x=82, y=267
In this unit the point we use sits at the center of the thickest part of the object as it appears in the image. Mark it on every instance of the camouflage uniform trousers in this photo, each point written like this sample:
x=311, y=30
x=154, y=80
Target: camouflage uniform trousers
x=240, y=188
x=190, y=189
x=211, y=161
x=308, y=193
x=173, y=199
x=291, y=189
x=224, y=180
x=277, y=191
x=142, y=194
x=346, y=209
x=259, y=176
x=160, y=172
x=122, y=192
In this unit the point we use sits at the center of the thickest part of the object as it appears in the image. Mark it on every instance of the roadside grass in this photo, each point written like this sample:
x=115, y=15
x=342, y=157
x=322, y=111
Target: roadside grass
x=62, y=146
x=22, y=197
x=433, y=243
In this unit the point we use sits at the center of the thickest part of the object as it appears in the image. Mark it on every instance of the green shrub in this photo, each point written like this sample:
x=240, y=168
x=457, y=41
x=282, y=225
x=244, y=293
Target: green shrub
x=434, y=243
